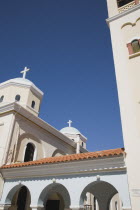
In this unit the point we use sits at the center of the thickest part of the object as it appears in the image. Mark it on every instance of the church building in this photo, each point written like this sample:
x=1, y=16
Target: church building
x=42, y=168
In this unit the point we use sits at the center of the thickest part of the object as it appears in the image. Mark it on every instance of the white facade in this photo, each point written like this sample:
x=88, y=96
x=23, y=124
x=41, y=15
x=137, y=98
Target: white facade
x=103, y=177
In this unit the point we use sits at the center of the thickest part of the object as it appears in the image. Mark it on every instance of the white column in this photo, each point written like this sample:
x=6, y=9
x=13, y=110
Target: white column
x=78, y=147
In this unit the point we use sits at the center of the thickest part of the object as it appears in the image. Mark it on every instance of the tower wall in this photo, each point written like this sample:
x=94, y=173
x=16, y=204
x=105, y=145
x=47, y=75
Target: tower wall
x=124, y=28
x=6, y=129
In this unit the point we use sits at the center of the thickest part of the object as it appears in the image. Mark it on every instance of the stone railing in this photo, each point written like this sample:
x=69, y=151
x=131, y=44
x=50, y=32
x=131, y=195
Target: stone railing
x=127, y=6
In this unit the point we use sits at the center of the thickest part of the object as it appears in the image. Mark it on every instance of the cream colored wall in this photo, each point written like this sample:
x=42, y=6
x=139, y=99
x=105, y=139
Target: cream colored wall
x=112, y=8
x=21, y=147
x=1, y=185
x=46, y=143
x=27, y=96
x=6, y=127
x=128, y=83
x=33, y=97
x=11, y=91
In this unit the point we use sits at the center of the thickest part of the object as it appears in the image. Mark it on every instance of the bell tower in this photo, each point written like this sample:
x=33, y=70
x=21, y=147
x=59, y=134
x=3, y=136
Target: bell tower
x=15, y=95
x=124, y=24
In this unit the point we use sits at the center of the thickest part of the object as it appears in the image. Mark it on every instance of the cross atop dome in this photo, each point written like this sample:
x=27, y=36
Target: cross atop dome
x=69, y=122
x=24, y=72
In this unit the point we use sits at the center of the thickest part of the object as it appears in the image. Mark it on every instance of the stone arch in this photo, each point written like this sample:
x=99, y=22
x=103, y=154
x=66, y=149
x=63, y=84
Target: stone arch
x=54, y=188
x=58, y=152
x=12, y=192
x=103, y=191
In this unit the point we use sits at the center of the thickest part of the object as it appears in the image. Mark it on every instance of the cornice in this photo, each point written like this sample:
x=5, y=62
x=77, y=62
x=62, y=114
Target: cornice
x=38, y=121
x=31, y=86
x=136, y=7
x=101, y=165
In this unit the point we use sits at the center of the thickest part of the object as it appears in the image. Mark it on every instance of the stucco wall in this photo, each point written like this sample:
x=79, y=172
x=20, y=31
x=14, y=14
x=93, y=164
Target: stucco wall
x=6, y=129
x=74, y=184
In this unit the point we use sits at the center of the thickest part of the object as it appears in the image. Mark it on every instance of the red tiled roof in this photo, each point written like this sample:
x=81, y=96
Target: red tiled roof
x=68, y=158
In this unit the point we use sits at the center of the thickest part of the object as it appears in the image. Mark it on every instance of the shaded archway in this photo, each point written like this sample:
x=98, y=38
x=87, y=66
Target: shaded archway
x=19, y=198
x=54, y=194
x=55, y=201
x=102, y=191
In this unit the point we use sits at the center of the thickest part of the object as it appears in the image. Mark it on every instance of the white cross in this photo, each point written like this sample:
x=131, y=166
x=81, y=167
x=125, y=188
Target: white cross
x=24, y=72
x=69, y=122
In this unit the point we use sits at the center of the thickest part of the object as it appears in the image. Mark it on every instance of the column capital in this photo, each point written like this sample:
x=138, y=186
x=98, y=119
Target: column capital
x=76, y=208
x=5, y=206
x=33, y=207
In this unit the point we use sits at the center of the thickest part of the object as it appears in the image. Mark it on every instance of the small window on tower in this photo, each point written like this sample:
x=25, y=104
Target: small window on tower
x=135, y=45
x=17, y=98
x=1, y=99
x=33, y=104
x=82, y=144
x=121, y=3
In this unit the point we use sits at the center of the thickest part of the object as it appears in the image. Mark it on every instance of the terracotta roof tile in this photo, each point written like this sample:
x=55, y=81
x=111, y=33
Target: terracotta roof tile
x=73, y=157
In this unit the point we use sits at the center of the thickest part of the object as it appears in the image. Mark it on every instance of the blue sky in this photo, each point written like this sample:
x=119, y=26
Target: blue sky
x=66, y=44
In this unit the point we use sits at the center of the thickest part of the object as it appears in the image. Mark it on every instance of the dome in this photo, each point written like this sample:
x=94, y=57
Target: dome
x=18, y=80
x=70, y=130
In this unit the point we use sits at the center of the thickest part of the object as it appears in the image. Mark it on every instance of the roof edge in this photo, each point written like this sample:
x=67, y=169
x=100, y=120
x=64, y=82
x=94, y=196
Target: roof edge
x=69, y=158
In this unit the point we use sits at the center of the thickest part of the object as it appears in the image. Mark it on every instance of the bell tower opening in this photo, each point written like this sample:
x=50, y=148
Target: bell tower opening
x=121, y=3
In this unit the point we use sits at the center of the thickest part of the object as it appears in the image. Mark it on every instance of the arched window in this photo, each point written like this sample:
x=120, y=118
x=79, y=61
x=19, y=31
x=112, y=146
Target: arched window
x=33, y=104
x=29, y=152
x=82, y=144
x=17, y=98
x=1, y=99
x=135, y=45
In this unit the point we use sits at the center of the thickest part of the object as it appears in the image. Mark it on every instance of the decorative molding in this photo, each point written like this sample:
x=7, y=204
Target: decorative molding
x=136, y=7
x=15, y=107
x=33, y=110
x=97, y=166
x=126, y=6
x=39, y=122
x=33, y=88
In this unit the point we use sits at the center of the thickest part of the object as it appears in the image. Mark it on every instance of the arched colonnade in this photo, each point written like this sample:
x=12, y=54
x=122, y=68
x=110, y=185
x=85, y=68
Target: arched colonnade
x=97, y=195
